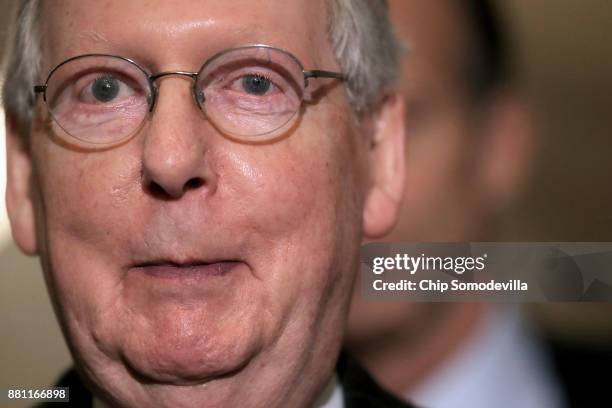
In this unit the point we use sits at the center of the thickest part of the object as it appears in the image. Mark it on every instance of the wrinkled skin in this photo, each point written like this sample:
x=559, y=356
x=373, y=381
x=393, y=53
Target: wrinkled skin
x=284, y=218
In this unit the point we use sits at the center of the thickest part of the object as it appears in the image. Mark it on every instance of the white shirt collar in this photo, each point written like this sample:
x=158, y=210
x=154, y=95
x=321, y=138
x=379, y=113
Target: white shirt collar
x=500, y=366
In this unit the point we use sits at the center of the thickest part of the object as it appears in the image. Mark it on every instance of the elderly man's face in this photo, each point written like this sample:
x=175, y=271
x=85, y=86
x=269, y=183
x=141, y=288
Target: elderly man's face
x=239, y=279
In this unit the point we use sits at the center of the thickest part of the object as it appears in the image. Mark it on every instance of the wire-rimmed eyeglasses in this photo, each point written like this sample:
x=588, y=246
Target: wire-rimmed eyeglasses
x=248, y=92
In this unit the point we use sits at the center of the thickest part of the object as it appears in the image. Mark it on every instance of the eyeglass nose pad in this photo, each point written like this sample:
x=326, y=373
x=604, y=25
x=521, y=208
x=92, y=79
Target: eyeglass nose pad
x=152, y=97
x=151, y=102
x=200, y=98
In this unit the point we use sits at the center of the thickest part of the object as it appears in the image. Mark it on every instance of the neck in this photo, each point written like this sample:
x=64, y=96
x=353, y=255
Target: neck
x=402, y=360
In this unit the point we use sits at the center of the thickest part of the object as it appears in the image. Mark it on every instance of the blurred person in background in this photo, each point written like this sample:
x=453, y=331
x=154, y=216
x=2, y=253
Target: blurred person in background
x=470, y=148
x=469, y=151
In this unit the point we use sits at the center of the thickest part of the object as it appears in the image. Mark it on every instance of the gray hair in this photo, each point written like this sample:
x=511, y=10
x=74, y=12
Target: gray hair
x=22, y=65
x=359, y=30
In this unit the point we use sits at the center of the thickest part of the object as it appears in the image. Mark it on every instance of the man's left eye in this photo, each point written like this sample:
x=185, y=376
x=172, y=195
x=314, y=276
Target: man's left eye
x=256, y=84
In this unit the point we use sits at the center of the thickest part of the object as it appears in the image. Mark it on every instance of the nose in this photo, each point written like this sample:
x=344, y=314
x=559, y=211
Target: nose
x=175, y=150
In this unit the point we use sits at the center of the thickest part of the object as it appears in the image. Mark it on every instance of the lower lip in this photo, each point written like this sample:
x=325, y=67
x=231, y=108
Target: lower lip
x=189, y=271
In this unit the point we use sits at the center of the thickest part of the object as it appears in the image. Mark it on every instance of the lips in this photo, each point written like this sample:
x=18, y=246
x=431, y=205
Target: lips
x=186, y=270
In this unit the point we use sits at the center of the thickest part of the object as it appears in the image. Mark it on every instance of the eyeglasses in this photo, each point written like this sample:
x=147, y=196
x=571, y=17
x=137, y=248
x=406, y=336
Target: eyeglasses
x=248, y=92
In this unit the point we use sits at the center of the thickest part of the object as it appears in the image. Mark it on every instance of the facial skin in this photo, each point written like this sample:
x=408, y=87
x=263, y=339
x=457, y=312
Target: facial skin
x=466, y=159
x=284, y=218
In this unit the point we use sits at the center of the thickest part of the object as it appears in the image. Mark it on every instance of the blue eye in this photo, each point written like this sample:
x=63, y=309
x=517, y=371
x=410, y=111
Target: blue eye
x=256, y=84
x=105, y=88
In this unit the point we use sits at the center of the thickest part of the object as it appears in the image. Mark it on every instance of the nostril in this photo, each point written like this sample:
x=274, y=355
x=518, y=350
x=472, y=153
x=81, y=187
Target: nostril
x=194, y=183
x=157, y=191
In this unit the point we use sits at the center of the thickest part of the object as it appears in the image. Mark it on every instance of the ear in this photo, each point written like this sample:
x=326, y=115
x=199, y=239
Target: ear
x=19, y=201
x=386, y=166
x=507, y=149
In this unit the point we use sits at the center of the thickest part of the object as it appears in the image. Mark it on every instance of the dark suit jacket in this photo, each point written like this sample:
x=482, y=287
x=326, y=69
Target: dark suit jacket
x=360, y=390
x=584, y=374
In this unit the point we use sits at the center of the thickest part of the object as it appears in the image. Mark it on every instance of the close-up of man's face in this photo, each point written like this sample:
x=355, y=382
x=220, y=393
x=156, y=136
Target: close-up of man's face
x=185, y=264
x=304, y=203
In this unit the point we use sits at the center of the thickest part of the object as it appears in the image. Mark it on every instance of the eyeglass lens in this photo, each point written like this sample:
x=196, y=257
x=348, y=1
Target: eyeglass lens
x=245, y=92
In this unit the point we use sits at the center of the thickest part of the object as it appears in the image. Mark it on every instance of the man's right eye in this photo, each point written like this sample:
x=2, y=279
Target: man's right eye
x=105, y=89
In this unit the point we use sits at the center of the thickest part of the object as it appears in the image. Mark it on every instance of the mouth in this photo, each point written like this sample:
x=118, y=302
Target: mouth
x=165, y=269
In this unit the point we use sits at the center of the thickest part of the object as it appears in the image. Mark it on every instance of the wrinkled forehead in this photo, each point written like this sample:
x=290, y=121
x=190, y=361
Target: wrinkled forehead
x=185, y=31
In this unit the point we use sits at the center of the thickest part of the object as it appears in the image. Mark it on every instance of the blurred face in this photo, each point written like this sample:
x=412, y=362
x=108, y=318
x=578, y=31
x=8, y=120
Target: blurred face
x=465, y=160
x=441, y=202
x=443, y=124
x=188, y=268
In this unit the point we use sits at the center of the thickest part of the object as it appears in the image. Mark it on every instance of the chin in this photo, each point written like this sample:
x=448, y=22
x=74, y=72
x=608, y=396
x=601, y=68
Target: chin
x=169, y=369
x=182, y=347
x=190, y=361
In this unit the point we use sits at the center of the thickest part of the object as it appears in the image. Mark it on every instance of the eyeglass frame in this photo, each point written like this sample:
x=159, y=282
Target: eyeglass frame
x=152, y=78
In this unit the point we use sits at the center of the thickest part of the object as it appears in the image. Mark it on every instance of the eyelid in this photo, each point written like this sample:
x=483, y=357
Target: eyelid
x=114, y=73
x=83, y=84
x=280, y=82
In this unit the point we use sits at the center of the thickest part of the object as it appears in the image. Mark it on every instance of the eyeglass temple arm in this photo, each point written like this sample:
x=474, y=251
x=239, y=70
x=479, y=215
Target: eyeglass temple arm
x=40, y=88
x=324, y=74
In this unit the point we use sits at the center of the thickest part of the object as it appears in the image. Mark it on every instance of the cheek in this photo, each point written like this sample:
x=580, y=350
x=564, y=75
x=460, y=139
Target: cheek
x=439, y=151
x=285, y=195
x=301, y=190
x=300, y=203
x=438, y=177
x=86, y=200
x=85, y=194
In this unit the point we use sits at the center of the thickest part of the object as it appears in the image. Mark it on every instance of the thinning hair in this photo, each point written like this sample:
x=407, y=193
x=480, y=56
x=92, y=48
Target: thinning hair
x=361, y=36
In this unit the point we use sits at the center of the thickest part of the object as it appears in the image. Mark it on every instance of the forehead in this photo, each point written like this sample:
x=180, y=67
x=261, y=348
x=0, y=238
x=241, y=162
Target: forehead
x=435, y=30
x=182, y=30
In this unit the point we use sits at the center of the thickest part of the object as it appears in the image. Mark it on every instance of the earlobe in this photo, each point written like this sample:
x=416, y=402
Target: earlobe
x=387, y=166
x=19, y=201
